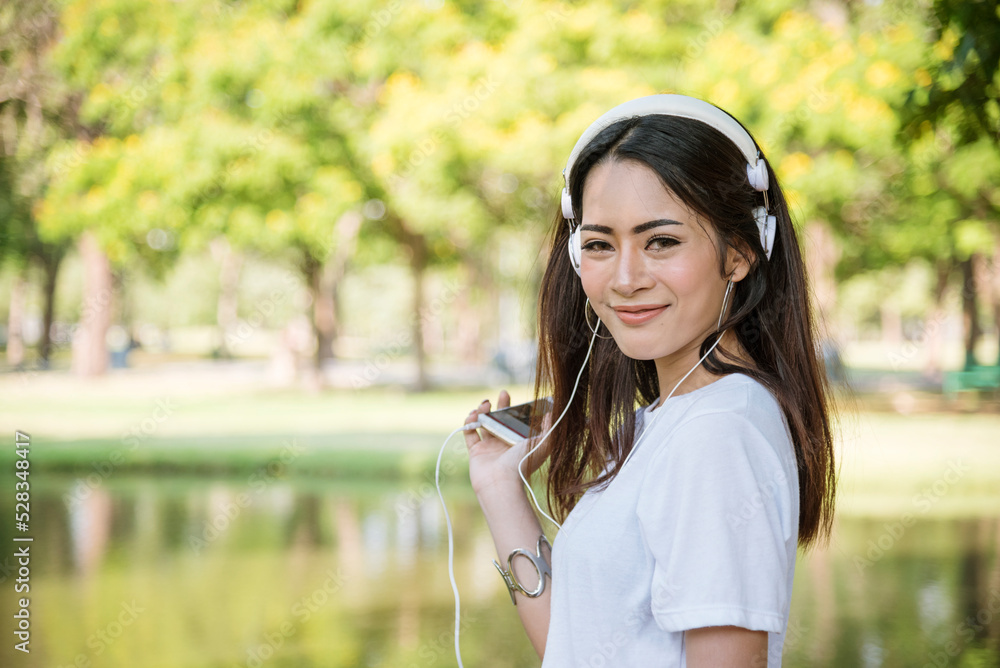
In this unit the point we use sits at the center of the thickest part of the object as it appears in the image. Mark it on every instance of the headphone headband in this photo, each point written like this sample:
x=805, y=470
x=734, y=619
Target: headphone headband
x=683, y=107
x=669, y=105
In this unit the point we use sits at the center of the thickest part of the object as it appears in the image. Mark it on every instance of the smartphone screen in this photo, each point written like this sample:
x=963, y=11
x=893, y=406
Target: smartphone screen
x=518, y=418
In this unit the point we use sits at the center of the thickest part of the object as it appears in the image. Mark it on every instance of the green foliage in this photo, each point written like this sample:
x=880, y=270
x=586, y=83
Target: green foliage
x=267, y=122
x=962, y=87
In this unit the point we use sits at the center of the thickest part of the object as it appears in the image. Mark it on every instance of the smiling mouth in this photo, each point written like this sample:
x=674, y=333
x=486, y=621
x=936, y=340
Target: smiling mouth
x=637, y=315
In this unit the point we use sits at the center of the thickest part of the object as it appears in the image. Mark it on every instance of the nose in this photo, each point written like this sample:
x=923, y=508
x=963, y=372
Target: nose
x=631, y=273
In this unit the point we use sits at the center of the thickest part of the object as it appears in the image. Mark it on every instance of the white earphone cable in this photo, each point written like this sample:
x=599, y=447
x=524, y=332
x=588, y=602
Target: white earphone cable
x=447, y=517
x=451, y=540
x=437, y=473
x=675, y=389
x=568, y=403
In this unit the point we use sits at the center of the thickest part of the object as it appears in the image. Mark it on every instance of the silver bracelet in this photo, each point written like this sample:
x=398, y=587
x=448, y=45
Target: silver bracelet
x=537, y=560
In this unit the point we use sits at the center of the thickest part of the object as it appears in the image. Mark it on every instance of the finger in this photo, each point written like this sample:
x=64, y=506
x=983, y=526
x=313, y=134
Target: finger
x=472, y=435
x=540, y=453
x=533, y=460
x=504, y=400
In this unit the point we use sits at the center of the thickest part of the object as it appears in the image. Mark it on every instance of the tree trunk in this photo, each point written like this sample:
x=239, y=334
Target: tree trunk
x=821, y=258
x=227, y=309
x=312, y=272
x=416, y=245
x=892, y=324
x=995, y=294
x=418, y=265
x=324, y=314
x=987, y=271
x=324, y=283
x=348, y=229
x=50, y=265
x=970, y=304
x=469, y=339
x=90, y=352
x=15, y=322
x=935, y=322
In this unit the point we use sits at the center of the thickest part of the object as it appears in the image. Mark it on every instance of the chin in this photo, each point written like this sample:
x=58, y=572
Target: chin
x=640, y=350
x=649, y=345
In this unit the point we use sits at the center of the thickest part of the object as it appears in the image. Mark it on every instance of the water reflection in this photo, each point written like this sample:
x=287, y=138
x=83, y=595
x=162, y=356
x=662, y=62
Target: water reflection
x=179, y=572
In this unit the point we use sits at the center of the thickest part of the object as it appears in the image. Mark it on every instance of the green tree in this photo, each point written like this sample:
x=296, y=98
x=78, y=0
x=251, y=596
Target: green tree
x=35, y=110
x=218, y=120
x=952, y=120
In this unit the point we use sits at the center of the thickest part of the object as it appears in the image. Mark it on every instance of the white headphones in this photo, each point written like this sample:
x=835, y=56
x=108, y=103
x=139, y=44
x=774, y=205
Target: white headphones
x=684, y=107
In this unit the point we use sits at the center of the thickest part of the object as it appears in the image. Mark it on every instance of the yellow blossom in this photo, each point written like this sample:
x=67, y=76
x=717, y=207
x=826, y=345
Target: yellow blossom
x=794, y=165
x=882, y=73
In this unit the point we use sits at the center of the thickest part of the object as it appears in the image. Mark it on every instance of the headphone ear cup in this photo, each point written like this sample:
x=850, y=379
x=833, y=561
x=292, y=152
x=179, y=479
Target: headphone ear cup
x=567, y=204
x=757, y=175
x=573, y=246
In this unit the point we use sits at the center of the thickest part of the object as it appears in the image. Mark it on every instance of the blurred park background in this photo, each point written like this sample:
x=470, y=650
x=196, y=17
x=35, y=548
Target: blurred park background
x=258, y=257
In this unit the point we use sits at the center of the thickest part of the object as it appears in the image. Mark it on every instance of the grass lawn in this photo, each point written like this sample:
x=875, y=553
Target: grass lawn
x=926, y=464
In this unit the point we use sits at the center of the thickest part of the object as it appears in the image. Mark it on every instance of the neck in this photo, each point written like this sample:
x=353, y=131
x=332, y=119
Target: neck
x=671, y=369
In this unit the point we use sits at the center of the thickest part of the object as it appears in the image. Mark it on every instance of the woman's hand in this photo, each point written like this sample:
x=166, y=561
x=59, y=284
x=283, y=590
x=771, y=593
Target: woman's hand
x=491, y=460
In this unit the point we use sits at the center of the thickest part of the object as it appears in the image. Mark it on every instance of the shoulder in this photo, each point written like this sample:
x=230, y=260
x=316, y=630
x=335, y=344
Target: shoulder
x=735, y=393
x=727, y=447
x=733, y=399
x=736, y=416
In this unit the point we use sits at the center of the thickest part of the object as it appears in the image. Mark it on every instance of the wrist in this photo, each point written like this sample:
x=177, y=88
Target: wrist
x=503, y=486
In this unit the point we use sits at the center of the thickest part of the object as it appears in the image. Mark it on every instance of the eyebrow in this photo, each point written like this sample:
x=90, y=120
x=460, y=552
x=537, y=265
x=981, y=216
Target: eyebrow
x=638, y=229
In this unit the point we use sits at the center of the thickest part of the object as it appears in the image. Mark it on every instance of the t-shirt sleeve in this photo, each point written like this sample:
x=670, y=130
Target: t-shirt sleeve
x=715, y=510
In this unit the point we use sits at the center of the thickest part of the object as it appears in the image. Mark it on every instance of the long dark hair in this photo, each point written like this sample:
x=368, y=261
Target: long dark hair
x=770, y=317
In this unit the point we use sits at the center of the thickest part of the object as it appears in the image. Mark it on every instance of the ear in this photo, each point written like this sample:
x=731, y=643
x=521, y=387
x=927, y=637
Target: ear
x=737, y=263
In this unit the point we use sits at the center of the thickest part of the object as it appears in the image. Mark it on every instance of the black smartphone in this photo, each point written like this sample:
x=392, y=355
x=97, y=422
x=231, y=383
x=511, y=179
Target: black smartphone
x=512, y=425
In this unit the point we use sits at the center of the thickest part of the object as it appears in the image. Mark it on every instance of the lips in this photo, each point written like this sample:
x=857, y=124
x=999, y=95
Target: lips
x=639, y=313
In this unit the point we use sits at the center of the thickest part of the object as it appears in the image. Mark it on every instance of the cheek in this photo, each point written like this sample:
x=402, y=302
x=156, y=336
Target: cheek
x=687, y=276
x=594, y=281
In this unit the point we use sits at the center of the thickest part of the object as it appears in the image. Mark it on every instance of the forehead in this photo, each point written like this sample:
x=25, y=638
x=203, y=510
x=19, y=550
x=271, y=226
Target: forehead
x=627, y=192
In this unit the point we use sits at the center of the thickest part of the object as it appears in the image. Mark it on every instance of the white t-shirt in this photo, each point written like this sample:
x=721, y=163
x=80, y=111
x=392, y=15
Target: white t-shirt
x=699, y=529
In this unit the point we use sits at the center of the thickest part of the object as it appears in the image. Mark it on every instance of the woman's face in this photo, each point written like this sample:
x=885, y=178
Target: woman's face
x=648, y=265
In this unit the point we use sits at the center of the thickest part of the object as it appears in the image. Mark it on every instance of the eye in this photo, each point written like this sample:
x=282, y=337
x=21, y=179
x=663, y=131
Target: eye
x=661, y=243
x=596, y=245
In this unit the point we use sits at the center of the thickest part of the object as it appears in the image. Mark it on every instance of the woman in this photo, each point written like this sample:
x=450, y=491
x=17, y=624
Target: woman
x=689, y=269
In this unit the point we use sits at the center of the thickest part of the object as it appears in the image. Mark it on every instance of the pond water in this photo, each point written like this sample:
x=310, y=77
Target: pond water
x=171, y=572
